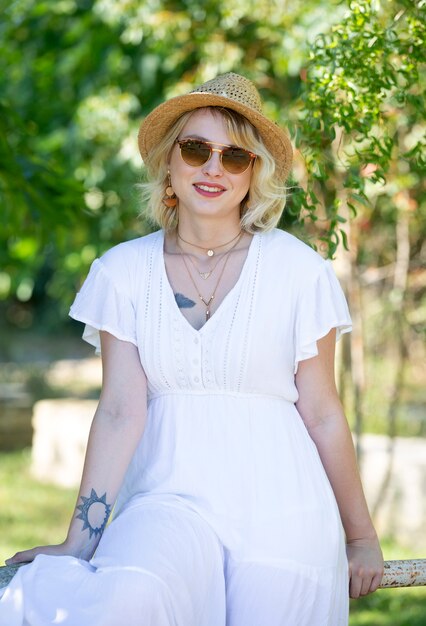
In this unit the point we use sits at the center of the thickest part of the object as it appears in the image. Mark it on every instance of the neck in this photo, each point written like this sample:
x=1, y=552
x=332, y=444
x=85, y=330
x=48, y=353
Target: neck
x=208, y=233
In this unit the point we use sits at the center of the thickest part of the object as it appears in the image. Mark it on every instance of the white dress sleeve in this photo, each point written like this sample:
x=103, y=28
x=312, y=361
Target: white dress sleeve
x=103, y=305
x=322, y=306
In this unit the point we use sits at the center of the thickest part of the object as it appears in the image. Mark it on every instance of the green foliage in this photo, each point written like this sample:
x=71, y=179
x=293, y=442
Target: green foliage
x=64, y=186
x=362, y=107
x=77, y=76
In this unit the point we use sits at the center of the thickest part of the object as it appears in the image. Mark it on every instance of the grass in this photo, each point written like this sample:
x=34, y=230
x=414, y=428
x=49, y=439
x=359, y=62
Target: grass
x=33, y=513
x=390, y=607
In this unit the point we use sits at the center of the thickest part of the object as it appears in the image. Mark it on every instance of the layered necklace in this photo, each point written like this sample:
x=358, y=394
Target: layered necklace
x=205, y=275
x=210, y=251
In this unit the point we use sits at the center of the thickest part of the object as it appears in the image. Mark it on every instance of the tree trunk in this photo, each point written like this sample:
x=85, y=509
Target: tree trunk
x=397, y=297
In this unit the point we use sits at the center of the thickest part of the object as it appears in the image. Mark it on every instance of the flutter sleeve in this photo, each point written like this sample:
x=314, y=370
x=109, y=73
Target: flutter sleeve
x=104, y=304
x=322, y=306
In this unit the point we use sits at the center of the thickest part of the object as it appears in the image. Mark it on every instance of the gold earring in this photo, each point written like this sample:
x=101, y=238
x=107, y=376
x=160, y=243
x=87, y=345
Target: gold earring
x=169, y=199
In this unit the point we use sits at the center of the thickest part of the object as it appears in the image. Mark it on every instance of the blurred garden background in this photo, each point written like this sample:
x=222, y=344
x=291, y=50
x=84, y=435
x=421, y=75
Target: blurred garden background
x=348, y=80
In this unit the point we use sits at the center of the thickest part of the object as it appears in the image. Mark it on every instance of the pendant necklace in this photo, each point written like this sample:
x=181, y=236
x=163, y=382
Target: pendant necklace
x=206, y=275
x=207, y=302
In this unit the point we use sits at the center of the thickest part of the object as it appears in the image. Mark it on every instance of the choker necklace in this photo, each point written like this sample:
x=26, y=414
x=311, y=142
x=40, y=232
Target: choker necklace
x=209, y=251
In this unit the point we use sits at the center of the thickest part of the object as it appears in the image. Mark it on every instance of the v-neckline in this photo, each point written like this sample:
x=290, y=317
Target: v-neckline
x=226, y=299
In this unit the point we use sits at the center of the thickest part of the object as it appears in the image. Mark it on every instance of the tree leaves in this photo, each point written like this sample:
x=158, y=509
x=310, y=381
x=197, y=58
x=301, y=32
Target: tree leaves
x=361, y=76
x=77, y=76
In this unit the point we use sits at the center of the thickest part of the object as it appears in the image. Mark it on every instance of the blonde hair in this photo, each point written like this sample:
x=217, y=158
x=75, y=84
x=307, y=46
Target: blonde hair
x=263, y=205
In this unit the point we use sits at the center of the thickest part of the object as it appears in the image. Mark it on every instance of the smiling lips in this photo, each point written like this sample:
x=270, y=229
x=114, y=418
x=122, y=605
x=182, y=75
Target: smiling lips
x=209, y=190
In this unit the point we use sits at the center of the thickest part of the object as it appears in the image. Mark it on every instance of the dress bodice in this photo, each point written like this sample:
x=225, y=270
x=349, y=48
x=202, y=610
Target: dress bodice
x=286, y=298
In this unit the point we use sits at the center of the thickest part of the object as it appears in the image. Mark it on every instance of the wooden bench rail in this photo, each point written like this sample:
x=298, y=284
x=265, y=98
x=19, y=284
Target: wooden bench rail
x=411, y=573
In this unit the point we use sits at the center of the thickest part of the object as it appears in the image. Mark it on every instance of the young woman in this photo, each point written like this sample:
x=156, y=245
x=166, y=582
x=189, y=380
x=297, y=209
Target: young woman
x=219, y=435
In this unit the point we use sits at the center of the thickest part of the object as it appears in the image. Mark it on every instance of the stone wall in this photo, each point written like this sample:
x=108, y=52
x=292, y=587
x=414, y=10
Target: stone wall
x=394, y=479
x=61, y=428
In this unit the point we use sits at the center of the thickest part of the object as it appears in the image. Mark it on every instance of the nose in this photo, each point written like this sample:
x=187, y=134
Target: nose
x=213, y=167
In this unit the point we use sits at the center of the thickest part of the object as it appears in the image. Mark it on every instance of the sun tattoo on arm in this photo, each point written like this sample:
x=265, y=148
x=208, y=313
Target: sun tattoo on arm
x=94, y=499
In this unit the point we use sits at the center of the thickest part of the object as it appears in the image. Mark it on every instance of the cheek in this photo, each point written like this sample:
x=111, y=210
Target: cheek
x=177, y=166
x=174, y=161
x=243, y=184
x=176, y=169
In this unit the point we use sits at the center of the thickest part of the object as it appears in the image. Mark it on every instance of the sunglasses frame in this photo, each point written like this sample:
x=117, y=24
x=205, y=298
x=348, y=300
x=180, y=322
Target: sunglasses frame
x=225, y=147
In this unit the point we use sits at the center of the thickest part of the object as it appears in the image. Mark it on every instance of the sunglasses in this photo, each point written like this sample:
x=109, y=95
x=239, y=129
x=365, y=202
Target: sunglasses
x=196, y=152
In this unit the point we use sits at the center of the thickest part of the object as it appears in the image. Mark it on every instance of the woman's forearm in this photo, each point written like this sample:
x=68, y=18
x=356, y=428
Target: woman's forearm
x=340, y=464
x=116, y=429
x=112, y=442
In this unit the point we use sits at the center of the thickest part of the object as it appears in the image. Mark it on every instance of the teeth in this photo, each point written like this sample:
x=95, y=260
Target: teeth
x=211, y=189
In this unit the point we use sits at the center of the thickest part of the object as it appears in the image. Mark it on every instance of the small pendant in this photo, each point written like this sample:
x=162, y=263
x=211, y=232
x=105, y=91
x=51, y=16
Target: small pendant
x=205, y=275
x=207, y=315
x=207, y=304
x=210, y=252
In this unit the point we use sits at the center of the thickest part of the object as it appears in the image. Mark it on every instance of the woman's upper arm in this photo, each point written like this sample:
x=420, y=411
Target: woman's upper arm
x=124, y=384
x=315, y=382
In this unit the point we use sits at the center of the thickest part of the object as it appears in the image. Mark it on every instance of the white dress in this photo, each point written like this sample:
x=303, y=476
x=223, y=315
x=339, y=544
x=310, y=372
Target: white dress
x=226, y=487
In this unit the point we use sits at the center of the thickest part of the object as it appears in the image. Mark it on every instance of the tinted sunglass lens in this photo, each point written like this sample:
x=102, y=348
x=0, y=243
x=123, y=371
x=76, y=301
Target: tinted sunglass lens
x=195, y=153
x=235, y=160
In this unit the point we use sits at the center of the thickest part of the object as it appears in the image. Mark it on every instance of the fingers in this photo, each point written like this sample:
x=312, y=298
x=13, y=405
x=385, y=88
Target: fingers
x=377, y=579
x=26, y=556
x=365, y=561
x=363, y=582
x=355, y=582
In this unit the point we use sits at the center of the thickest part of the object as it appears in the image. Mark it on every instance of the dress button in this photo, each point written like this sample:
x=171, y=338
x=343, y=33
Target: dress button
x=195, y=361
x=196, y=340
x=196, y=379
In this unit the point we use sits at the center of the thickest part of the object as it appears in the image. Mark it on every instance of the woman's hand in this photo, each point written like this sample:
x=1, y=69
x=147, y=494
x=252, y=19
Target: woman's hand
x=62, y=549
x=365, y=566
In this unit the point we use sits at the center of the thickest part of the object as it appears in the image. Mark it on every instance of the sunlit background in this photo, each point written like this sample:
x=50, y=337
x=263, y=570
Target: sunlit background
x=348, y=80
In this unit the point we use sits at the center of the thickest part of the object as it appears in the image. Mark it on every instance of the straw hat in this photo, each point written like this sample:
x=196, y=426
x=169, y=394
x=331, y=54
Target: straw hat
x=228, y=90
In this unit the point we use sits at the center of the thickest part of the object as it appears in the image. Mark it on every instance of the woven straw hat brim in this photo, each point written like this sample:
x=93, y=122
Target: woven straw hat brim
x=156, y=124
